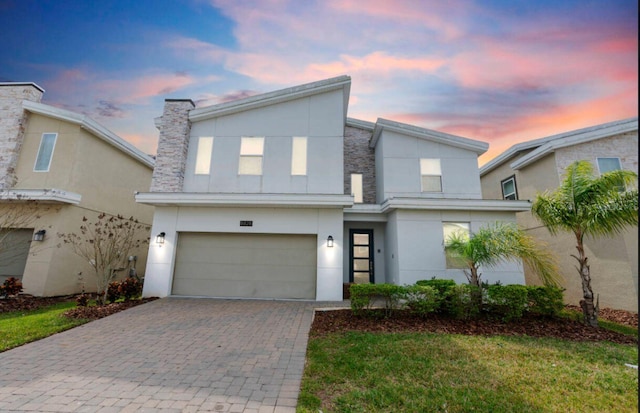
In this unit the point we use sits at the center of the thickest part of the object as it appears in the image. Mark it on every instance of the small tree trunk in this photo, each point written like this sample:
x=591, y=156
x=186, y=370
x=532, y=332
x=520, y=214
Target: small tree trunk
x=589, y=310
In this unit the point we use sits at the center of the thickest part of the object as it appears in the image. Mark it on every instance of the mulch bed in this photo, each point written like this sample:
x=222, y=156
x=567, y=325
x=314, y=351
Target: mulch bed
x=402, y=321
x=333, y=321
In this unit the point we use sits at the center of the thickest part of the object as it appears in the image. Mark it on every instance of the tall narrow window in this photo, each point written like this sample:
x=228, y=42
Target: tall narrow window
x=203, y=155
x=356, y=188
x=454, y=229
x=509, y=189
x=45, y=152
x=251, y=150
x=299, y=156
x=608, y=164
x=431, y=175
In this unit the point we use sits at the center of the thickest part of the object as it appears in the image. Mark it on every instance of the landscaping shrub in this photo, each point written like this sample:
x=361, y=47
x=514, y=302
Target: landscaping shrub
x=112, y=291
x=11, y=286
x=508, y=301
x=421, y=300
x=130, y=288
x=545, y=301
x=362, y=296
x=82, y=300
x=441, y=285
x=463, y=301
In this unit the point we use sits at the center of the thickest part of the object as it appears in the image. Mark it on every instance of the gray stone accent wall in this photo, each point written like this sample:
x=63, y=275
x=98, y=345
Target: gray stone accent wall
x=359, y=158
x=13, y=122
x=623, y=146
x=173, y=146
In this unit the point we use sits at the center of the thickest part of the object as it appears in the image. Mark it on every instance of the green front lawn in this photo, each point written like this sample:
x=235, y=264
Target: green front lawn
x=20, y=327
x=367, y=372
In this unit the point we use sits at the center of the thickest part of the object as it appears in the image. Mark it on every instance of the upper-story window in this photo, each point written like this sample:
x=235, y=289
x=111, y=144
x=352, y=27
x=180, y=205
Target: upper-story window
x=608, y=164
x=299, y=156
x=356, y=188
x=45, y=152
x=203, y=155
x=509, y=189
x=431, y=175
x=251, y=151
x=455, y=229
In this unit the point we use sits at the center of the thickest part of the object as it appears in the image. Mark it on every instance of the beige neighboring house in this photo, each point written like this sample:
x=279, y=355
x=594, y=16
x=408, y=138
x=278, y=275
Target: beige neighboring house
x=66, y=166
x=531, y=167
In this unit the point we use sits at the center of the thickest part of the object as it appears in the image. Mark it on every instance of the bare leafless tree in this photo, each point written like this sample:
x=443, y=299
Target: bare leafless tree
x=106, y=243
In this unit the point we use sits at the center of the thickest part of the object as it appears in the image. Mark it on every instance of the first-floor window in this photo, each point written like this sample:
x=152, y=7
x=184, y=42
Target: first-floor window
x=203, y=155
x=455, y=229
x=356, y=188
x=45, y=152
x=431, y=175
x=251, y=150
x=509, y=190
x=608, y=164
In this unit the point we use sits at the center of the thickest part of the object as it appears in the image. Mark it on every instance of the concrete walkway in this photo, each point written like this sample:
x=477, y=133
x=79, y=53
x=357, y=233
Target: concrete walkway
x=170, y=355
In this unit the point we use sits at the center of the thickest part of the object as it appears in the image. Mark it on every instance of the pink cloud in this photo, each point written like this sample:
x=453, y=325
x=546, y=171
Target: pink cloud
x=139, y=89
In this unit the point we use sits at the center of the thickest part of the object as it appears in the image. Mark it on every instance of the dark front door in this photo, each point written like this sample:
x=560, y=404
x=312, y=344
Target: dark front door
x=361, y=256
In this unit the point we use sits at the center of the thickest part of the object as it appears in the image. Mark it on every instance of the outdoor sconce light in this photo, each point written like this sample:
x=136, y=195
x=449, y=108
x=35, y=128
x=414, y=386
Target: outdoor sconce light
x=330, y=242
x=39, y=236
x=160, y=238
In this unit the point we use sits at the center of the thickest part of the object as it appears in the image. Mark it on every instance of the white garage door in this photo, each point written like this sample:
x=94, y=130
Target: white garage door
x=245, y=265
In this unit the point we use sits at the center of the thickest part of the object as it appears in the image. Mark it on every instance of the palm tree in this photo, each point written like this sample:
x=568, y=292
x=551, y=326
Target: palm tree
x=497, y=243
x=589, y=206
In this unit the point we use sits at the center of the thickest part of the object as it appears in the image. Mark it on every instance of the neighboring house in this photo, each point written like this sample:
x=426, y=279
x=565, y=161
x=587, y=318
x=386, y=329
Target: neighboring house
x=281, y=195
x=57, y=167
x=532, y=167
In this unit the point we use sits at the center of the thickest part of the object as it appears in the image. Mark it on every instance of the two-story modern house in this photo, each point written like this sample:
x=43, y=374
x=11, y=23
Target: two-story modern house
x=281, y=195
x=532, y=167
x=57, y=167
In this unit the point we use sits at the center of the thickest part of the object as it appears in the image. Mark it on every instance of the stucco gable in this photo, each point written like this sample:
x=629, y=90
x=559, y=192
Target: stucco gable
x=427, y=134
x=279, y=96
x=91, y=126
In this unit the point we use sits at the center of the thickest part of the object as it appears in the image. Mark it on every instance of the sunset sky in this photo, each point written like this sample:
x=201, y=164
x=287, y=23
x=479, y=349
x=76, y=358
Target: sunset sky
x=496, y=71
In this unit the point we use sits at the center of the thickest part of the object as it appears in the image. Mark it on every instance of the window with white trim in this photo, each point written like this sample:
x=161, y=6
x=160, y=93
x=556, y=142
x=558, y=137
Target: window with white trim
x=299, y=156
x=203, y=155
x=608, y=164
x=431, y=175
x=251, y=151
x=509, y=189
x=356, y=188
x=45, y=152
x=458, y=229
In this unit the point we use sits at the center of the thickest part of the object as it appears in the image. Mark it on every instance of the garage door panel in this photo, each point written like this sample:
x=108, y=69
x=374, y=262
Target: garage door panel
x=246, y=265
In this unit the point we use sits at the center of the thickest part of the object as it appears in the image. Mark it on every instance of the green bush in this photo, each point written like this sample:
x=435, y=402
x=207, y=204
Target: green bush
x=545, y=301
x=440, y=285
x=421, y=300
x=508, y=301
x=463, y=301
x=363, y=295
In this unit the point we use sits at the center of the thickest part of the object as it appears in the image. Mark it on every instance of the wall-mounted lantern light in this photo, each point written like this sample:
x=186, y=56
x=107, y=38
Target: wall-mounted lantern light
x=330, y=242
x=39, y=236
x=160, y=238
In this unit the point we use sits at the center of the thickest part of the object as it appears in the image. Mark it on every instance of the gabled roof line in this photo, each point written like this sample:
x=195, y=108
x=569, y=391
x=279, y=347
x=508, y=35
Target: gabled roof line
x=428, y=134
x=22, y=84
x=575, y=139
x=589, y=133
x=361, y=124
x=92, y=126
x=278, y=96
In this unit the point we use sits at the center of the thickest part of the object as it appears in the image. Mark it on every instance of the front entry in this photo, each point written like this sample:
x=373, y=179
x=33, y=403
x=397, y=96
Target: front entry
x=361, y=256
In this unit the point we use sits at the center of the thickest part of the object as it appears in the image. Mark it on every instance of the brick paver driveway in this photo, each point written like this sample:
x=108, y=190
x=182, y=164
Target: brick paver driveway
x=170, y=355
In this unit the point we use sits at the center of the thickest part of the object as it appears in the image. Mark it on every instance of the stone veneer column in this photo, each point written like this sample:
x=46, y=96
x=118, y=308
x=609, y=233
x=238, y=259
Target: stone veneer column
x=173, y=145
x=13, y=122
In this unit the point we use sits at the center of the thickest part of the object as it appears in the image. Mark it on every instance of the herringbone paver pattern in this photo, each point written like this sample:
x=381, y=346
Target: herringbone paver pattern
x=170, y=355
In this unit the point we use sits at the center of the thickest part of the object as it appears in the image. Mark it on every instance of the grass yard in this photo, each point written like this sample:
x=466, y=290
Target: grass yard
x=425, y=372
x=20, y=327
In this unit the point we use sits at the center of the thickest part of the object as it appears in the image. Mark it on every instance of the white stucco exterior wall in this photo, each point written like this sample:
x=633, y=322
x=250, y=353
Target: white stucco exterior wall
x=319, y=222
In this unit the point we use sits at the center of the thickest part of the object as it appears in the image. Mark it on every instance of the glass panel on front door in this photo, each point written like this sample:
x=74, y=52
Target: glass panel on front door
x=361, y=256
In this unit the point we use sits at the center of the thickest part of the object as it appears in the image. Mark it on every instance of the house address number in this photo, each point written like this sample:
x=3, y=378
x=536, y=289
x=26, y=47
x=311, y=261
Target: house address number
x=246, y=223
